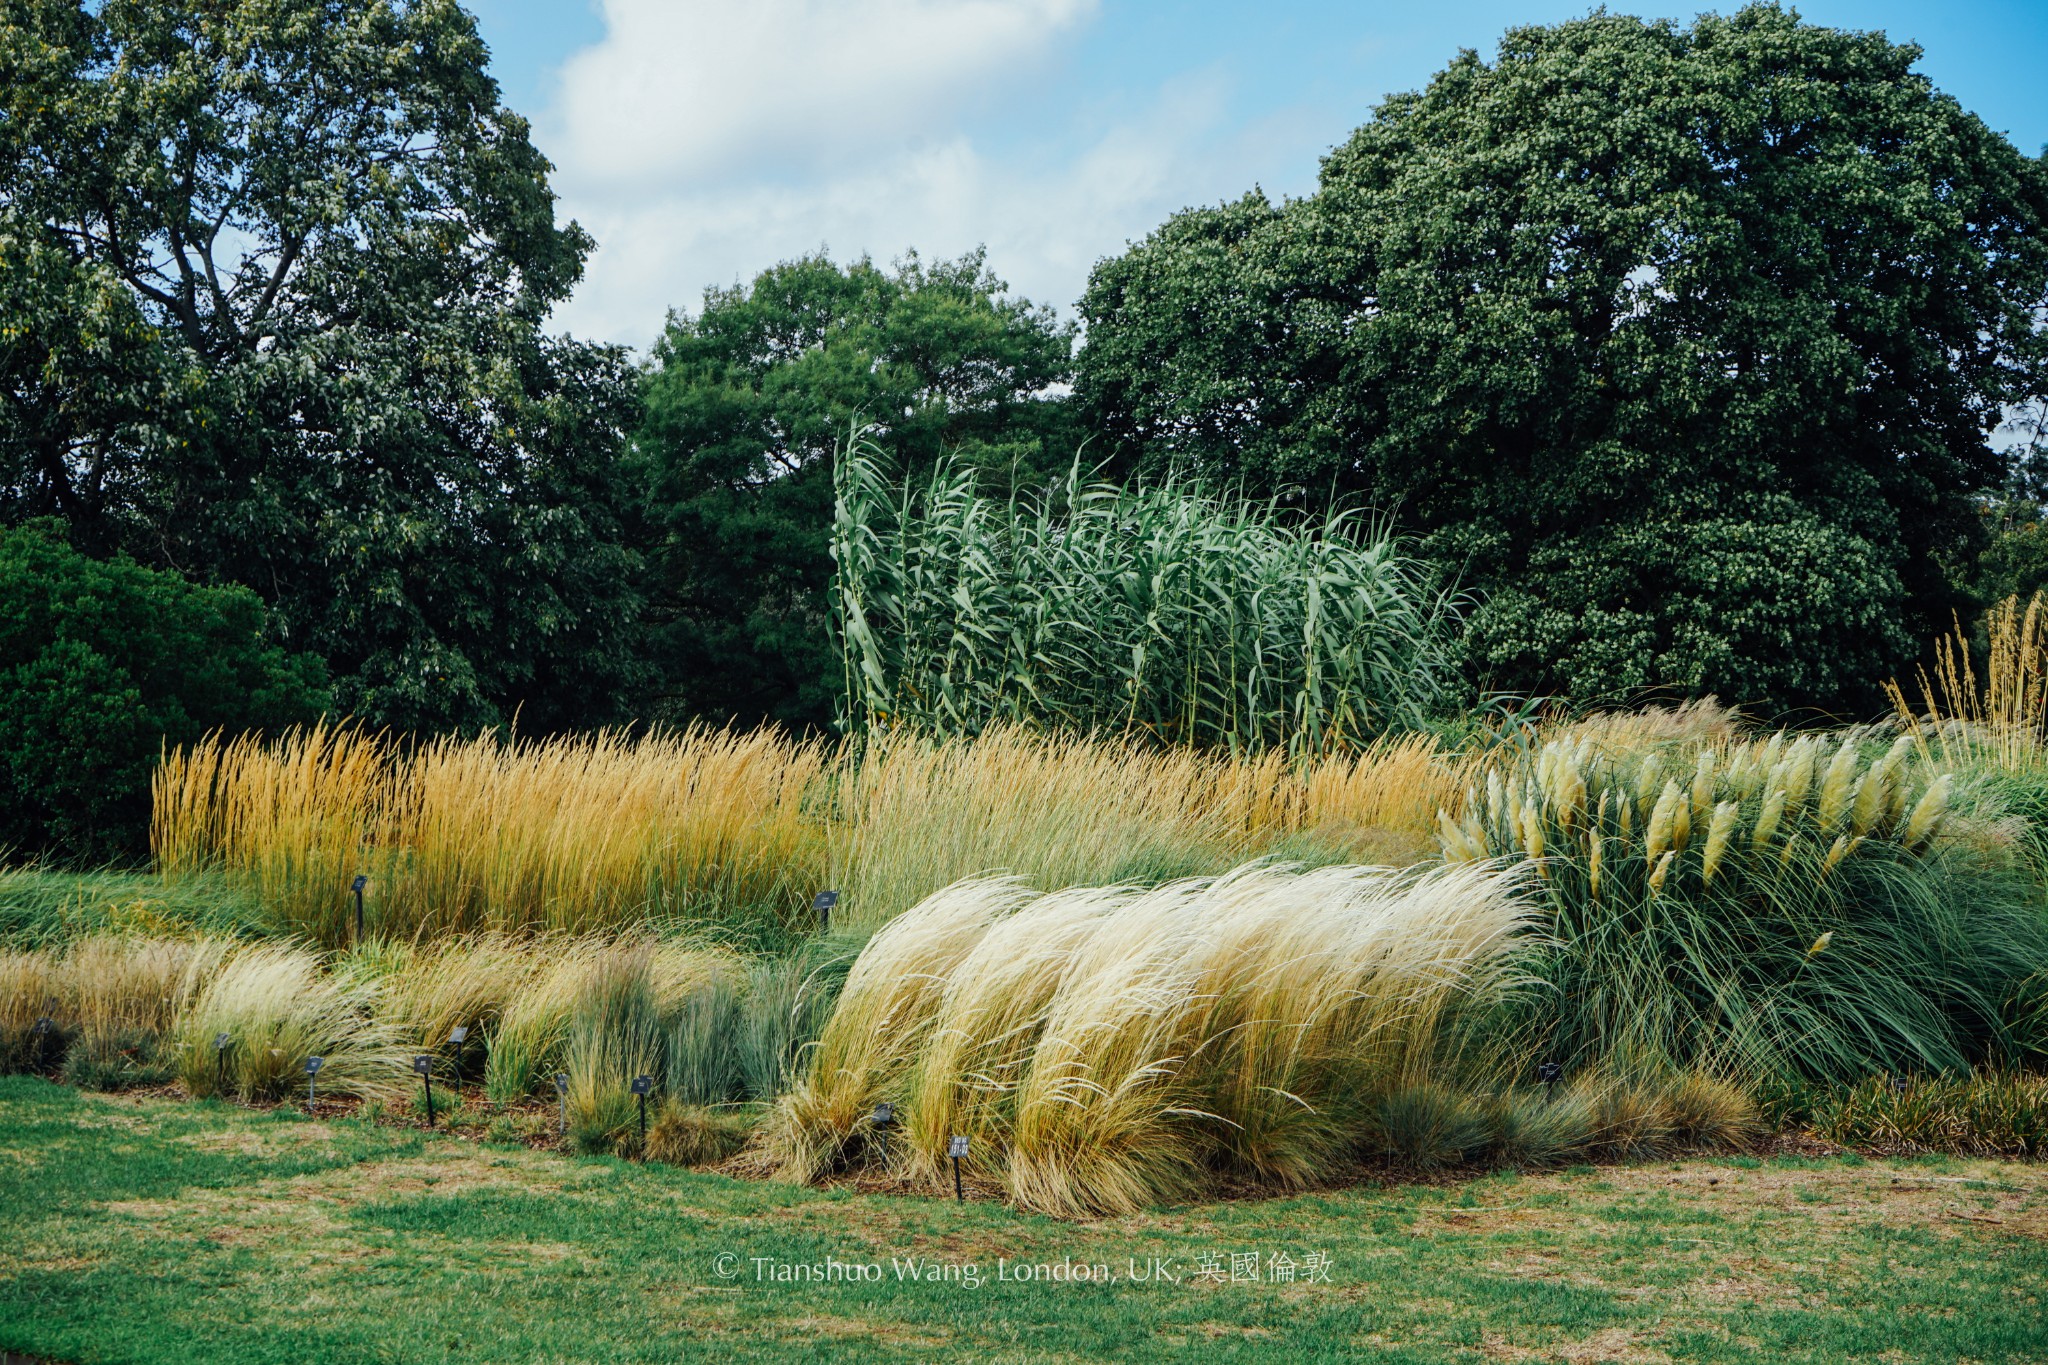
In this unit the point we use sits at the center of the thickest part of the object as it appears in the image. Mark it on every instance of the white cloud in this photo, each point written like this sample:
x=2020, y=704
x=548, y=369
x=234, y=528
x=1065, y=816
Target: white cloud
x=702, y=143
x=679, y=90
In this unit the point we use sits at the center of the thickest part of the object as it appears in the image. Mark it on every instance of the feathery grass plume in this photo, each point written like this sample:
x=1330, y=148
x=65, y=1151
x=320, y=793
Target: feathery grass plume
x=1772, y=811
x=988, y=1023
x=1658, y=836
x=1682, y=961
x=1703, y=789
x=1928, y=813
x=279, y=1005
x=884, y=1013
x=1116, y=1046
x=1797, y=781
x=2001, y=722
x=1726, y=813
x=1248, y=1022
x=1836, y=785
x=121, y=994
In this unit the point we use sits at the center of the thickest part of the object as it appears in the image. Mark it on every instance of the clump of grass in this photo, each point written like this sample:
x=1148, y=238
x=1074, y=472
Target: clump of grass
x=121, y=995
x=1110, y=1048
x=695, y=1135
x=703, y=1045
x=1253, y=629
x=278, y=1006
x=615, y=1033
x=1784, y=907
x=785, y=1006
x=28, y=992
x=43, y=908
x=462, y=982
x=1994, y=1112
x=1429, y=1126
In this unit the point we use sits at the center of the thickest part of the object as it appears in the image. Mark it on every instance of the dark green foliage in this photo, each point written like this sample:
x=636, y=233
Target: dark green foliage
x=274, y=274
x=102, y=663
x=742, y=408
x=2015, y=561
x=1684, y=342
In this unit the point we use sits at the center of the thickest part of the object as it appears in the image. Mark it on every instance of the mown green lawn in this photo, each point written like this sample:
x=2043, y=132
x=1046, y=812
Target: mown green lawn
x=157, y=1231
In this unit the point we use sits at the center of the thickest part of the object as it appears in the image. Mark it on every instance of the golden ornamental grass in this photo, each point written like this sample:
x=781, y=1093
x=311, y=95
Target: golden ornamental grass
x=1110, y=1048
x=601, y=831
x=458, y=835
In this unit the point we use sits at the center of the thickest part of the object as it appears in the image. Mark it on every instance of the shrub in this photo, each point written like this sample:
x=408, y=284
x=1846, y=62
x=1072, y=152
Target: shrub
x=1993, y=1112
x=103, y=663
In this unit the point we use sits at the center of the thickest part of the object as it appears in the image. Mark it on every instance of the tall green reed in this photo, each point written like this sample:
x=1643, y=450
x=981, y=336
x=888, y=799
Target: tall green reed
x=1149, y=609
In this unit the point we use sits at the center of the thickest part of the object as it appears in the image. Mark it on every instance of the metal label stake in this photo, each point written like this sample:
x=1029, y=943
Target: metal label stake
x=957, y=1148
x=641, y=1085
x=313, y=1065
x=424, y=1064
x=823, y=905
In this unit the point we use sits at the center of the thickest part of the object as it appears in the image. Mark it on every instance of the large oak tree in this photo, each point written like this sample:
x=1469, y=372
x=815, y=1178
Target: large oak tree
x=273, y=275
x=1684, y=342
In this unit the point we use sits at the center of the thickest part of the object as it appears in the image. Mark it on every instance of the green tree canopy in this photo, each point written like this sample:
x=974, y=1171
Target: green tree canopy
x=274, y=273
x=742, y=406
x=104, y=662
x=1685, y=342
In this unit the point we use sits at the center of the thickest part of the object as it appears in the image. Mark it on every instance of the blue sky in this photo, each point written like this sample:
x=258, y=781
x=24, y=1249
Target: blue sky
x=701, y=141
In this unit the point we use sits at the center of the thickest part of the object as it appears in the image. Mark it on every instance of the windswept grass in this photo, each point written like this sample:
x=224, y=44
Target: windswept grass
x=1110, y=1048
x=277, y=1005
